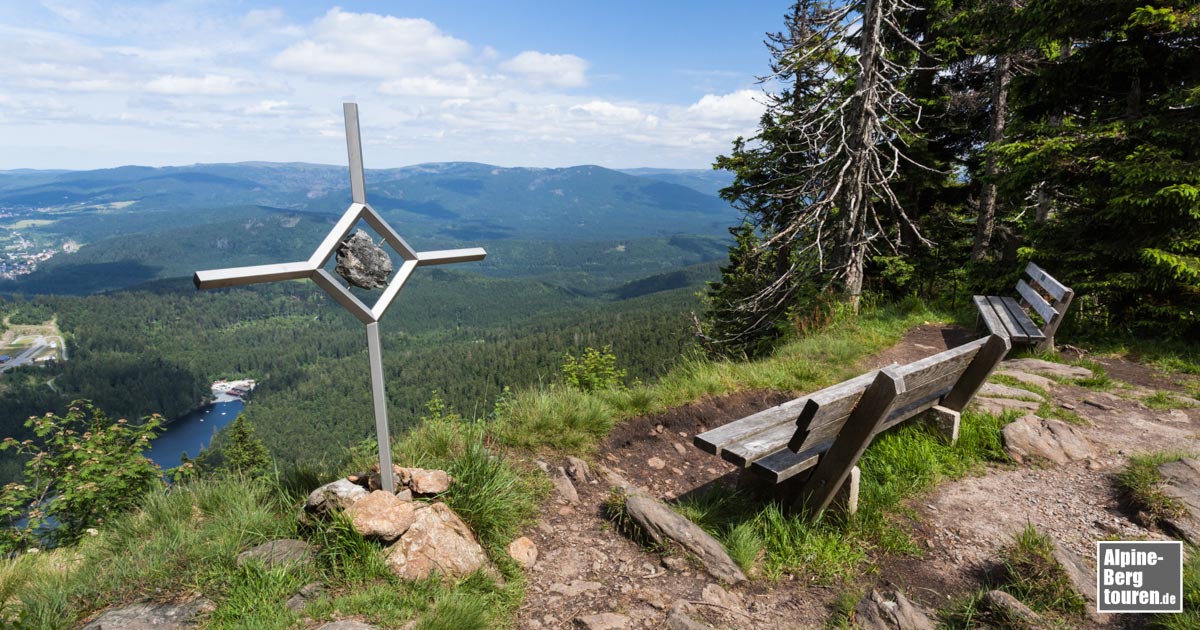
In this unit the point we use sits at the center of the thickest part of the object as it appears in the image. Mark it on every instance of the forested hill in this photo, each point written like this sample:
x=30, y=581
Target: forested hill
x=116, y=228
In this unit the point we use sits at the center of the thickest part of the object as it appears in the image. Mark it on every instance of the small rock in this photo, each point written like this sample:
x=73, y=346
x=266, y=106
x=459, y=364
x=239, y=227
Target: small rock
x=381, y=516
x=1027, y=378
x=405, y=495
x=1056, y=441
x=1182, y=482
x=278, y=553
x=566, y=490
x=654, y=598
x=1099, y=404
x=339, y=495
x=877, y=611
x=997, y=390
x=997, y=406
x=602, y=621
x=1012, y=610
x=578, y=470
x=523, y=551
x=1175, y=416
x=716, y=595
x=363, y=263
x=1081, y=577
x=658, y=428
x=679, y=619
x=676, y=563
x=422, y=481
x=575, y=588
x=300, y=599
x=438, y=541
x=662, y=523
x=1046, y=368
x=346, y=625
x=151, y=616
x=656, y=463
x=1067, y=406
x=681, y=449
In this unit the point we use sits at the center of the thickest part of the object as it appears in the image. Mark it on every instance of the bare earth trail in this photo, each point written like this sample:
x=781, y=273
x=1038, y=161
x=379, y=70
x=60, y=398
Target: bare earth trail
x=585, y=568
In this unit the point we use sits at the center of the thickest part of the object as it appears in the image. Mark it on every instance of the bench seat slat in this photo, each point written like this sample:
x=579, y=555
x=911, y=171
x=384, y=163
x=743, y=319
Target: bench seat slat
x=1036, y=301
x=784, y=464
x=988, y=314
x=716, y=440
x=1022, y=319
x=1015, y=331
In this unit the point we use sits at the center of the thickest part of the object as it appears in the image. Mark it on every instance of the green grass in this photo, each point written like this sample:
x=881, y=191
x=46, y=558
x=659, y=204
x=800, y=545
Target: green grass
x=1141, y=485
x=180, y=541
x=184, y=541
x=557, y=418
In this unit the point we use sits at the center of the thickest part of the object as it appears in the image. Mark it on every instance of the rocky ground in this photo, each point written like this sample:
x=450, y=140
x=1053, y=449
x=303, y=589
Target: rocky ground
x=589, y=576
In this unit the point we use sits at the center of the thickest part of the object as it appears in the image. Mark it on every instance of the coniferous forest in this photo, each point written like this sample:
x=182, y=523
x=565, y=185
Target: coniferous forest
x=934, y=147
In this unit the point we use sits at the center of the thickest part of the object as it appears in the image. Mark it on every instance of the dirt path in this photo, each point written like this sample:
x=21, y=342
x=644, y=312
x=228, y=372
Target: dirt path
x=585, y=568
x=964, y=524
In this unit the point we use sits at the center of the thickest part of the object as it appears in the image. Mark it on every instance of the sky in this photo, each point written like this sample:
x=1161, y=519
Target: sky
x=96, y=84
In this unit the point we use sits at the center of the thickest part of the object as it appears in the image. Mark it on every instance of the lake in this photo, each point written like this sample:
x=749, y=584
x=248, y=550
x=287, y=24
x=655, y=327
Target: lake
x=193, y=432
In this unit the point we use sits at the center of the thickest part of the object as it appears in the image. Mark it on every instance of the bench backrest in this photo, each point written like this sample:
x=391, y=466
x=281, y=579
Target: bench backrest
x=1045, y=295
x=848, y=423
x=925, y=383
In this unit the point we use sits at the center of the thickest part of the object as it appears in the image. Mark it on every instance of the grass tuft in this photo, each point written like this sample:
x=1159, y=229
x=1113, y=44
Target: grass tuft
x=1164, y=400
x=1141, y=484
x=458, y=611
x=1034, y=577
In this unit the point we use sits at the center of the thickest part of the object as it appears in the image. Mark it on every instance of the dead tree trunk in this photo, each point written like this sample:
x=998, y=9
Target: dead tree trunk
x=857, y=199
x=986, y=220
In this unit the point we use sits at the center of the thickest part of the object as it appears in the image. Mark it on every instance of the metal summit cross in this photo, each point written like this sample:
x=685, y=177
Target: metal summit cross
x=313, y=268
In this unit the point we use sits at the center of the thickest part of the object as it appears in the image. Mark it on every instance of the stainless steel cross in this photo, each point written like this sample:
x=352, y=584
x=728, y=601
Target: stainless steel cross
x=314, y=268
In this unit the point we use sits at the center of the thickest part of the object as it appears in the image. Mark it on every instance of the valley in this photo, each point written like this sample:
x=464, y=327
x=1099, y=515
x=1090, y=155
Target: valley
x=577, y=257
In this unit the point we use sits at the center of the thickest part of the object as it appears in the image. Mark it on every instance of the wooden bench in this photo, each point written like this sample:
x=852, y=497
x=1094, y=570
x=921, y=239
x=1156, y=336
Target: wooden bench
x=809, y=447
x=1042, y=294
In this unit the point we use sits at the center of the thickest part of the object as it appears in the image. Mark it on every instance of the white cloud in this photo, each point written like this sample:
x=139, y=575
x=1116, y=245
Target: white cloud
x=268, y=107
x=429, y=87
x=610, y=112
x=740, y=106
x=370, y=45
x=212, y=84
x=546, y=69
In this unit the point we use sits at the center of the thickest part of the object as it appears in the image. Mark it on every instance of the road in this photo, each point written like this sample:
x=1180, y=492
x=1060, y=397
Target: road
x=40, y=344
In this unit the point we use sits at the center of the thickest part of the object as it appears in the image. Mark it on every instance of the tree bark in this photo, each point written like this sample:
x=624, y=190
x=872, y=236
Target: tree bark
x=986, y=220
x=858, y=193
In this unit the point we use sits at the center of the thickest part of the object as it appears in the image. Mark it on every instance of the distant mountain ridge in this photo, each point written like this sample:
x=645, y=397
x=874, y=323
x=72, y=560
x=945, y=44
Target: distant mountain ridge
x=467, y=200
x=139, y=223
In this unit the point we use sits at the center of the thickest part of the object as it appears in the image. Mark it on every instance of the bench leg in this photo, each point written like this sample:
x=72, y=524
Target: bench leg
x=947, y=422
x=847, y=497
x=845, y=500
x=835, y=465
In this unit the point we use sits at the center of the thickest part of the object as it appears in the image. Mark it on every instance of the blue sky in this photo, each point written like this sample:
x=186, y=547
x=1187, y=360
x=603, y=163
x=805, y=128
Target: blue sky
x=90, y=84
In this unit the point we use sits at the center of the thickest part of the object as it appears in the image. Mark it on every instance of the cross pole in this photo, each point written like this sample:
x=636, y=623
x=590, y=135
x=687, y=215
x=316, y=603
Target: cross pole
x=313, y=268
